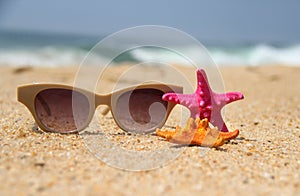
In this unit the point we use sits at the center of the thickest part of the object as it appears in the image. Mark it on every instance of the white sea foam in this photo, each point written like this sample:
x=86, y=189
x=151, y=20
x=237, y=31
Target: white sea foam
x=258, y=55
x=58, y=56
x=45, y=56
x=251, y=55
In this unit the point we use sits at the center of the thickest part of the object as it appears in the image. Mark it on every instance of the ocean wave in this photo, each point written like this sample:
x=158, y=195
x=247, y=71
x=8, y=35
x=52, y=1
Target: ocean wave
x=257, y=55
x=44, y=56
x=248, y=55
x=57, y=56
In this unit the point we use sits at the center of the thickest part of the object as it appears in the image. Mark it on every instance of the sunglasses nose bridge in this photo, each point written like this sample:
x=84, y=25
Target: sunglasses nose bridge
x=102, y=100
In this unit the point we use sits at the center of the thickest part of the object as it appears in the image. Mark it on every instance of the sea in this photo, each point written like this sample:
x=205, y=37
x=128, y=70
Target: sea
x=45, y=49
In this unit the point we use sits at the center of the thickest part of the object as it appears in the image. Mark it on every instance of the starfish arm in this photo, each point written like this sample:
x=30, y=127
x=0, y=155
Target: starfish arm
x=226, y=98
x=180, y=135
x=217, y=121
x=208, y=142
x=167, y=134
x=224, y=128
x=187, y=100
x=229, y=135
x=202, y=83
x=172, y=97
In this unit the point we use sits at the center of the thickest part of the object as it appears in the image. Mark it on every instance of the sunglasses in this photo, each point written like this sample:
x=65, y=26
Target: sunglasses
x=66, y=109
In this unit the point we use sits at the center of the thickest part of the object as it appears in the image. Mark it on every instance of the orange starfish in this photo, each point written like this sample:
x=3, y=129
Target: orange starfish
x=197, y=132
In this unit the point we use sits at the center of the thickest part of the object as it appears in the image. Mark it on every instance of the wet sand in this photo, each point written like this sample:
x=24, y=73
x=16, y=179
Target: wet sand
x=264, y=159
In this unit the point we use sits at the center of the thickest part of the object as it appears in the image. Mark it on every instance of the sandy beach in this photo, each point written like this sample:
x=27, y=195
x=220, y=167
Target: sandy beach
x=264, y=159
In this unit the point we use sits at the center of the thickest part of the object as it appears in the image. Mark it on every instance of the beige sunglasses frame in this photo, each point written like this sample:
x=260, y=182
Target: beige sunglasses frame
x=26, y=94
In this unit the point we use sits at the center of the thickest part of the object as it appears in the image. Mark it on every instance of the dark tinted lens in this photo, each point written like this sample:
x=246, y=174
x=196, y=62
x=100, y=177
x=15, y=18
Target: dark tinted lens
x=62, y=110
x=141, y=110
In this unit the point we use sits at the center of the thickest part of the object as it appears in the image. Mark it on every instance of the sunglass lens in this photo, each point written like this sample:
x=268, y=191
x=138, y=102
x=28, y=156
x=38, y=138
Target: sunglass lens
x=62, y=110
x=141, y=110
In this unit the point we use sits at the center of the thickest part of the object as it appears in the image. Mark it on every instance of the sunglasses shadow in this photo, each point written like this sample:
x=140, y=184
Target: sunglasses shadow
x=36, y=129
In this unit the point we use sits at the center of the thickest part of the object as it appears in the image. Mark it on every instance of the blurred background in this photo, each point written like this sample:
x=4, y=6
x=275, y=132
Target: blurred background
x=52, y=33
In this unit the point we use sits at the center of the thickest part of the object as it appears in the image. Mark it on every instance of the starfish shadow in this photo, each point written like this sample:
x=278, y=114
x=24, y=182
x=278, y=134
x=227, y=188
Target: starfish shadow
x=194, y=145
x=246, y=139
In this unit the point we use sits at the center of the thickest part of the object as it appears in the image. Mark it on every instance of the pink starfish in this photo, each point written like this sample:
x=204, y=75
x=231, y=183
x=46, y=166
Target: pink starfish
x=205, y=103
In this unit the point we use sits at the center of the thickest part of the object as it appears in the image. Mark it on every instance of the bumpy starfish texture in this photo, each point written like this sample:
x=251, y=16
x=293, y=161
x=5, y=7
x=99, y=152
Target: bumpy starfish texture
x=197, y=132
x=205, y=103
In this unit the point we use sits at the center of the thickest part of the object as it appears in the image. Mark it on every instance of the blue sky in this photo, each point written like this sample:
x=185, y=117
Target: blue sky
x=256, y=20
